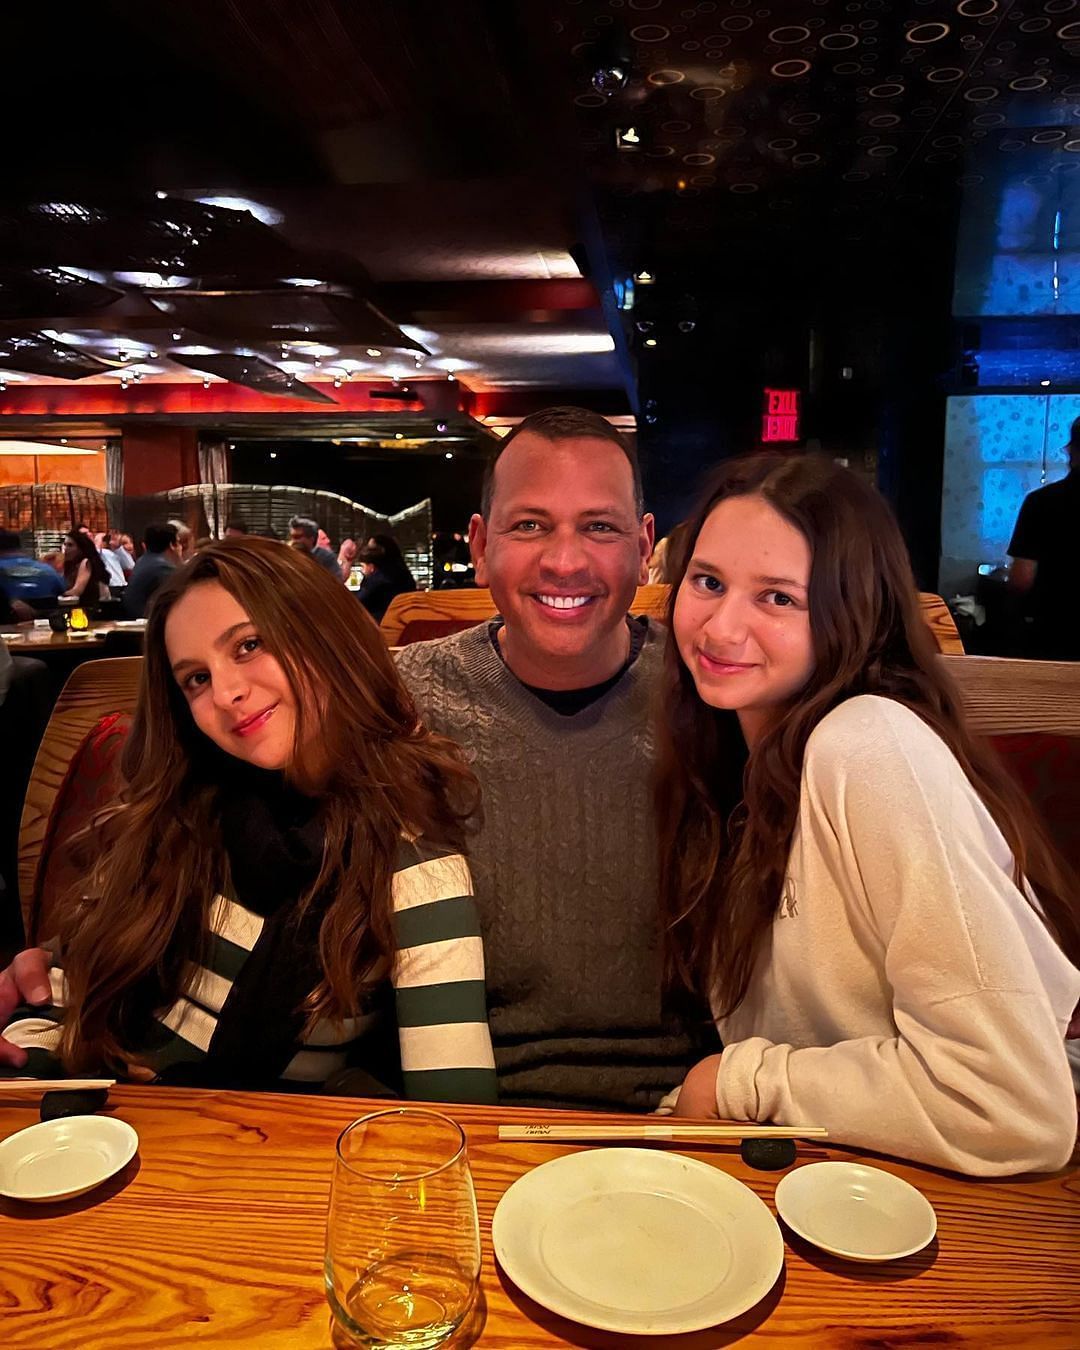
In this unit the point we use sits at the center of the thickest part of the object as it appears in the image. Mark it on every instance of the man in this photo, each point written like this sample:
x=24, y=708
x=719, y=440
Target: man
x=235, y=528
x=185, y=539
x=118, y=561
x=27, y=584
x=551, y=703
x=152, y=570
x=304, y=535
x=1044, y=566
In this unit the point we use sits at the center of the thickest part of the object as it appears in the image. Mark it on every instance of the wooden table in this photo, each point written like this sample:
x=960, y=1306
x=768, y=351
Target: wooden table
x=214, y=1235
x=28, y=640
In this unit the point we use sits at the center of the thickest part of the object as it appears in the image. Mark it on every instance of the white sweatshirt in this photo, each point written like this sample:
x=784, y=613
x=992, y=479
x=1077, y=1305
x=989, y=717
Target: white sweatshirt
x=911, y=1000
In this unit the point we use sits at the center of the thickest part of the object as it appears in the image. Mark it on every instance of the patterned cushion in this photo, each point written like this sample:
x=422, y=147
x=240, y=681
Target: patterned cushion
x=1048, y=769
x=91, y=783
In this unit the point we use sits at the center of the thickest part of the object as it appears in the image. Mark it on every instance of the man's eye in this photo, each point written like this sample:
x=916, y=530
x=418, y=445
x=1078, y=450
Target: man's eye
x=601, y=527
x=527, y=526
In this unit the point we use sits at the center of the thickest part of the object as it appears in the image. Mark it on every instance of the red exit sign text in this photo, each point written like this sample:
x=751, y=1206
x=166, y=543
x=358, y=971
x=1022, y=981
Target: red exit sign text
x=780, y=420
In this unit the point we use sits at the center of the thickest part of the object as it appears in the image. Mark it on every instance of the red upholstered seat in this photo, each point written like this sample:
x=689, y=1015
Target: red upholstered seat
x=422, y=630
x=1048, y=768
x=91, y=783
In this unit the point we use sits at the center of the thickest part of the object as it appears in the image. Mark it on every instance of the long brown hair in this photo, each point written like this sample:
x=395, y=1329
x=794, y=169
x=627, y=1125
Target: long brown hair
x=359, y=749
x=727, y=817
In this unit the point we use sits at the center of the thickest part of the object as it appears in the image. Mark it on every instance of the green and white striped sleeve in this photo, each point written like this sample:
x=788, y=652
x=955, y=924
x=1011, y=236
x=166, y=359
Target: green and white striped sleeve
x=438, y=980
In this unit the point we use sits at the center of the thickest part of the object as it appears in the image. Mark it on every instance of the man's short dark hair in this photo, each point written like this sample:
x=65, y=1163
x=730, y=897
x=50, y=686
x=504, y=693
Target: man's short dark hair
x=561, y=424
x=305, y=525
x=159, y=537
x=236, y=523
x=10, y=542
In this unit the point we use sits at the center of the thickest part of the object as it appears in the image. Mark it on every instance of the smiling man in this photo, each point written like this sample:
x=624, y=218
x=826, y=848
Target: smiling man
x=551, y=702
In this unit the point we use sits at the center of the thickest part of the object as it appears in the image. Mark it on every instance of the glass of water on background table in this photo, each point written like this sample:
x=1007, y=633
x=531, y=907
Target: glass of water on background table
x=402, y=1235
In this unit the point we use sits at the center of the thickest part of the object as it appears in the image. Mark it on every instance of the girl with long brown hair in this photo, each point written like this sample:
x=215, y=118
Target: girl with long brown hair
x=284, y=855
x=889, y=944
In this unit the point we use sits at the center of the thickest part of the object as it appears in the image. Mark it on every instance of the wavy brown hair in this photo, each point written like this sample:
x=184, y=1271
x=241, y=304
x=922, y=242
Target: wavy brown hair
x=727, y=816
x=360, y=749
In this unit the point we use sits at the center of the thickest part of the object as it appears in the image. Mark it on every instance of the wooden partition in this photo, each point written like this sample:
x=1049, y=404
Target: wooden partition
x=427, y=611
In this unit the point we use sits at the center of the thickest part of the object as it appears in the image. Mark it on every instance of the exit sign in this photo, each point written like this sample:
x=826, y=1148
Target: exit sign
x=780, y=420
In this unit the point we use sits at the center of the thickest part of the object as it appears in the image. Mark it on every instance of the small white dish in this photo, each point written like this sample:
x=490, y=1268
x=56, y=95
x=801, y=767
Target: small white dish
x=59, y=1159
x=861, y=1213
x=636, y=1241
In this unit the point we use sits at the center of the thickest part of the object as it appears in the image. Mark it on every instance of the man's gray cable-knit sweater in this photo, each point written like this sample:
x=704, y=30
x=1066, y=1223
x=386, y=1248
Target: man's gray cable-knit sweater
x=564, y=868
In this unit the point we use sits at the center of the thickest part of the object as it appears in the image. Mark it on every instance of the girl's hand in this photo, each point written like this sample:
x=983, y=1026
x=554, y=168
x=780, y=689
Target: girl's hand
x=697, y=1096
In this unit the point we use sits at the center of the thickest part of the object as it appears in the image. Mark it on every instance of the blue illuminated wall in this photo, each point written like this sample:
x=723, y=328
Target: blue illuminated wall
x=1017, y=300
x=998, y=448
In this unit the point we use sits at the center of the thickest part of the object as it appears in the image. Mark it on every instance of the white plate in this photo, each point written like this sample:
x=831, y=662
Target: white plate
x=636, y=1241
x=856, y=1211
x=58, y=1159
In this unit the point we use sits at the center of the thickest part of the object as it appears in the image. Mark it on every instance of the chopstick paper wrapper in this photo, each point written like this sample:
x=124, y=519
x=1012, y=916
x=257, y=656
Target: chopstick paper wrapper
x=28, y=1086
x=587, y=1134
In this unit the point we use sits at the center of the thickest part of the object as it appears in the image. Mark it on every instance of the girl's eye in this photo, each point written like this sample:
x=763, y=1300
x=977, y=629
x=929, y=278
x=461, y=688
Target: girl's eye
x=704, y=581
x=195, y=681
x=248, y=645
x=780, y=599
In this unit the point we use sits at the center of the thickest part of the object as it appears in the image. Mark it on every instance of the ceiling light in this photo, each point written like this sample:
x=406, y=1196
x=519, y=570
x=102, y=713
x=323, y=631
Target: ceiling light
x=441, y=426
x=608, y=80
x=153, y=355
x=63, y=440
x=1045, y=384
x=398, y=436
x=650, y=342
x=449, y=454
x=644, y=278
x=206, y=384
x=273, y=454
x=450, y=375
x=266, y=214
x=374, y=351
x=177, y=336
x=160, y=195
x=303, y=281
x=627, y=138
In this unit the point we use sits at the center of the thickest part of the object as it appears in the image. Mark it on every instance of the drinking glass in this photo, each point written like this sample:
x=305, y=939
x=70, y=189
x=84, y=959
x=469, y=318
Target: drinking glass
x=402, y=1235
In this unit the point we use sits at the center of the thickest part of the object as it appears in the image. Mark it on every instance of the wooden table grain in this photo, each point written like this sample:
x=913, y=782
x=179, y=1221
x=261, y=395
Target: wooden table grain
x=214, y=1235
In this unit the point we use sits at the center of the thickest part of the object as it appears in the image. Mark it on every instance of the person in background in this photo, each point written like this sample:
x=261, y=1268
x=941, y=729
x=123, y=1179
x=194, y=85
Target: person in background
x=54, y=558
x=185, y=539
x=377, y=589
x=128, y=546
x=852, y=878
x=157, y=564
x=1044, y=568
x=279, y=887
x=552, y=703
x=113, y=571
x=235, y=528
x=86, y=580
x=23, y=579
x=323, y=540
x=394, y=565
x=304, y=536
x=113, y=548
x=346, y=558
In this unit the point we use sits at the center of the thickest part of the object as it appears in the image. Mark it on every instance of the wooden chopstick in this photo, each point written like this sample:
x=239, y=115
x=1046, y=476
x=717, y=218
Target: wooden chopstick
x=608, y=1133
x=32, y=1085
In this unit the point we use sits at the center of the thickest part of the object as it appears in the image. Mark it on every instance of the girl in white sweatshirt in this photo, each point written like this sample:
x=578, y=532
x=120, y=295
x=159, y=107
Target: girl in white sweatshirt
x=889, y=943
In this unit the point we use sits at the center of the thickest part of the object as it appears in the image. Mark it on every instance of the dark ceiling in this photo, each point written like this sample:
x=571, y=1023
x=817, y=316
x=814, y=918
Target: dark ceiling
x=791, y=174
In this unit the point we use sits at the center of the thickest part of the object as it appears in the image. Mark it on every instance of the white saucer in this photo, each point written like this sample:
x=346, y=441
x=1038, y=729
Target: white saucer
x=637, y=1241
x=855, y=1211
x=58, y=1159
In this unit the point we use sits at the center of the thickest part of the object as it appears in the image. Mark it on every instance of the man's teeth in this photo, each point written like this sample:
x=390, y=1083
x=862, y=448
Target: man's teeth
x=564, y=601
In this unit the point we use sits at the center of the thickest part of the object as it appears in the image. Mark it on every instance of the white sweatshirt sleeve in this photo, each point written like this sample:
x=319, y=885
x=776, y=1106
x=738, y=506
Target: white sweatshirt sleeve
x=975, y=1078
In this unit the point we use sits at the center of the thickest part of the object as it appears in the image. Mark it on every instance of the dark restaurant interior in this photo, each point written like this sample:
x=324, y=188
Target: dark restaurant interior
x=262, y=262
